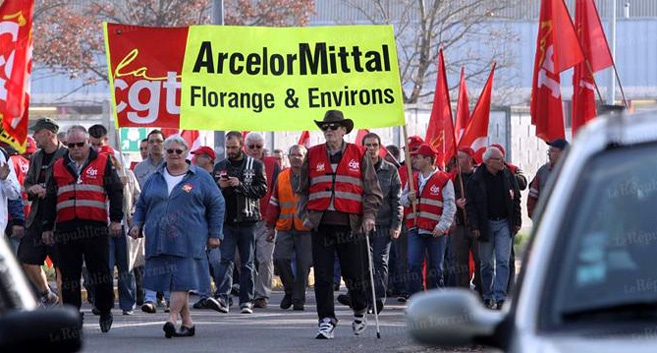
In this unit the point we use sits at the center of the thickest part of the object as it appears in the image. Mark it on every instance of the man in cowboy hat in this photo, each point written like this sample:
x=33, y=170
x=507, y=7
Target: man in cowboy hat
x=339, y=194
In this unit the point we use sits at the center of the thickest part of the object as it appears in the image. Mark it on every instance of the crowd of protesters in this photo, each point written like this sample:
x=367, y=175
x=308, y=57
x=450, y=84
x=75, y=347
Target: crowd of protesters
x=185, y=222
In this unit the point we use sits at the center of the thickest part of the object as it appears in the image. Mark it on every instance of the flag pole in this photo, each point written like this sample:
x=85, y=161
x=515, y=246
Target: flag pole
x=620, y=86
x=411, y=187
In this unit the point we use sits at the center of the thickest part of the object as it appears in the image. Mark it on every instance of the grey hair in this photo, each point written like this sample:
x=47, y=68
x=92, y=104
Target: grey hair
x=175, y=139
x=79, y=128
x=297, y=147
x=489, y=153
x=254, y=137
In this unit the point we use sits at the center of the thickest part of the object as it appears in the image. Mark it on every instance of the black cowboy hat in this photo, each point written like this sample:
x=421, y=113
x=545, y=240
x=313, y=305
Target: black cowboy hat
x=336, y=117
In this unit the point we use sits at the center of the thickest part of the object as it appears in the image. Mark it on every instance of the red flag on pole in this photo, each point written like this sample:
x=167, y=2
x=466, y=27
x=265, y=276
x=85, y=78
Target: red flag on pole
x=557, y=49
x=304, y=139
x=193, y=138
x=440, y=132
x=462, y=108
x=476, y=134
x=15, y=69
x=594, y=45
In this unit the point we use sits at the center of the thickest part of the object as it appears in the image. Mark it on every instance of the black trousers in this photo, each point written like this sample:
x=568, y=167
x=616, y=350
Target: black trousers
x=350, y=248
x=90, y=243
x=462, y=243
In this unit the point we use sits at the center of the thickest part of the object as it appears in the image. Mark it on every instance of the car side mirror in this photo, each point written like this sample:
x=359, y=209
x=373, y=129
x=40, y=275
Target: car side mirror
x=55, y=329
x=450, y=317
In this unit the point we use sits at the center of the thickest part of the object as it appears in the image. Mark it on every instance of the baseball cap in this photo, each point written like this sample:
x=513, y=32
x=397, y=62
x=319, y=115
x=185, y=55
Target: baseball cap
x=558, y=143
x=205, y=150
x=45, y=123
x=414, y=142
x=425, y=150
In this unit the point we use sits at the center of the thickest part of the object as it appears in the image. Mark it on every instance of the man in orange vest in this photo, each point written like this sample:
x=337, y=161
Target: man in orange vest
x=429, y=225
x=339, y=195
x=77, y=194
x=293, y=239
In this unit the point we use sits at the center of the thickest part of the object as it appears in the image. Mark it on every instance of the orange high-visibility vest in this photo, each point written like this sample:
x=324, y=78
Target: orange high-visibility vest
x=286, y=201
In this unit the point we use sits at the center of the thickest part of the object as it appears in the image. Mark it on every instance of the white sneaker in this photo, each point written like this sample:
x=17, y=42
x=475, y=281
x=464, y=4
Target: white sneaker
x=326, y=328
x=359, y=325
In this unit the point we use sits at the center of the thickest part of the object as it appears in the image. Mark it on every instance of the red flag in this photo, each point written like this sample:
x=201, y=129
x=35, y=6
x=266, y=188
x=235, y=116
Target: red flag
x=462, y=108
x=304, y=139
x=557, y=49
x=193, y=138
x=15, y=69
x=596, y=51
x=440, y=132
x=476, y=134
x=359, y=136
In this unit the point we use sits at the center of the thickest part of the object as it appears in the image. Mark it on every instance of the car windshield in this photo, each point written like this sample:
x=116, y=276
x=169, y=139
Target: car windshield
x=609, y=238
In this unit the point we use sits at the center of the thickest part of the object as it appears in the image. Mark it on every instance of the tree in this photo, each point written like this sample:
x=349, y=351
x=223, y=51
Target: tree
x=423, y=26
x=69, y=36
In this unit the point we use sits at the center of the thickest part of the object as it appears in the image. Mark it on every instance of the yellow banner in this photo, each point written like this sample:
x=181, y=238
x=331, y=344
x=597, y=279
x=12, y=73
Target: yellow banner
x=281, y=79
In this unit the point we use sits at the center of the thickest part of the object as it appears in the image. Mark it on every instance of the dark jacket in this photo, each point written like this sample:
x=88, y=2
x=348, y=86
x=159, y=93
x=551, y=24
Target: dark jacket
x=242, y=201
x=391, y=212
x=113, y=188
x=32, y=178
x=476, y=206
x=460, y=221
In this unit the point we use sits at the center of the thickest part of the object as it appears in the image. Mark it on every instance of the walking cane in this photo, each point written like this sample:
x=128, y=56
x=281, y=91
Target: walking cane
x=371, y=266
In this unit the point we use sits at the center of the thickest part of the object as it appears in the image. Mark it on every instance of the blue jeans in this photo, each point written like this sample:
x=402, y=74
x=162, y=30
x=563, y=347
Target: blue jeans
x=495, y=277
x=119, y=256
x=214, y=257
x=418, y=246
x=242, y=237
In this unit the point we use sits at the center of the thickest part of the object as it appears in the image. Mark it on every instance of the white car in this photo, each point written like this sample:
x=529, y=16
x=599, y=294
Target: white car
x=589, y=276
x=23, y=326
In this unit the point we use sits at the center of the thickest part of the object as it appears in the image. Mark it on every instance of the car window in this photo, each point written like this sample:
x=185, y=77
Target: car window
x=608, y=243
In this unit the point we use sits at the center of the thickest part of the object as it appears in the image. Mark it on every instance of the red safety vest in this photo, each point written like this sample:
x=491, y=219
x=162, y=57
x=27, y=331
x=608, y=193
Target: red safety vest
x=84, y=198
x=430, y=205
x=345, y=185
x=287, y=203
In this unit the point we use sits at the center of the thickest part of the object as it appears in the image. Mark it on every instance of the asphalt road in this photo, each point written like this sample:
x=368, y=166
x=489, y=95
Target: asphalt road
x=266, y=330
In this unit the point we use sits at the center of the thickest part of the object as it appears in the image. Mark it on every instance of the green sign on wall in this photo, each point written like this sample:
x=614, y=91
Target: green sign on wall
x=130, y=138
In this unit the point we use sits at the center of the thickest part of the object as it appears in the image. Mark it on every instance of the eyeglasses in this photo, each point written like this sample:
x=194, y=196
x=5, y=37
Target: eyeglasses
x=178, y=151
x=76, y=144
x=255, y=146
x=333, y=127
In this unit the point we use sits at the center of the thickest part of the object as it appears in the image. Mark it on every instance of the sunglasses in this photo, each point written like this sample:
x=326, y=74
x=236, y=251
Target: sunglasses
x=76, y=144
x=255, y=146
x=178, y=151
x=333, y=127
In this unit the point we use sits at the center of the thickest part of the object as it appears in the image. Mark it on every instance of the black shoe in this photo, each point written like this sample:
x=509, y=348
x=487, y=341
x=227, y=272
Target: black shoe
x=379, y=307
x=344, y=299
x=489, y=304
x=95, y=311
x=402, y=298
x=298, y=307
x=498, y=305
x=336, y=287
x=211, y=303
x=223, y=307
x=201, y=304
x=286, y=303
x=185, y=331
x=261, y=303
x=105, y=322
x=169, y=330
x=167, y=307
